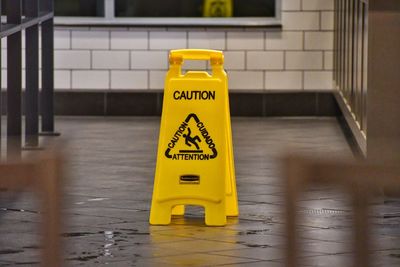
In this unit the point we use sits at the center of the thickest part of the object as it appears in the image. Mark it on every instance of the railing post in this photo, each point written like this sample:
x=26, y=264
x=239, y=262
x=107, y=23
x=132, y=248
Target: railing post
x=32, y=77
x=14, y=81
x=47, y=94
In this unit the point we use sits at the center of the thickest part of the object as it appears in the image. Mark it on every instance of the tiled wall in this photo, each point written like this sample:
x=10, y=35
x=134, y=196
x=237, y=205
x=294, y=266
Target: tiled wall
x=296, y=57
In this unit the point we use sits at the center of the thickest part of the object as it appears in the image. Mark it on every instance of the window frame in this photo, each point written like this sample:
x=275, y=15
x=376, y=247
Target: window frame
x=110, y=19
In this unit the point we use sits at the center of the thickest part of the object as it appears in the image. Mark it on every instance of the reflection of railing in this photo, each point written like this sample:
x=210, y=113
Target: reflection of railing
x=350, y=59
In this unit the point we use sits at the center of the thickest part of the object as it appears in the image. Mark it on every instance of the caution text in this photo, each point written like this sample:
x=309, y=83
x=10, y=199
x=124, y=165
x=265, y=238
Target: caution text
x=194, y=95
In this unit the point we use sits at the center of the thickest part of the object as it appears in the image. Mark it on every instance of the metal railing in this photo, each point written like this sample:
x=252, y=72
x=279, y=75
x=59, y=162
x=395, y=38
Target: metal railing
x=28, y=15
x=366, y=63
x=350, y=58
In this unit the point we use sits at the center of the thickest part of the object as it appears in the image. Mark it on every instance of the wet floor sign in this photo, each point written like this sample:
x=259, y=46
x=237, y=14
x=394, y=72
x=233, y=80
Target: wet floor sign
x=195, y=164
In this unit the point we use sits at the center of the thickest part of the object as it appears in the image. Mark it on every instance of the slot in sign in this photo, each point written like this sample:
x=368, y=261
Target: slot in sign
x=189, y=179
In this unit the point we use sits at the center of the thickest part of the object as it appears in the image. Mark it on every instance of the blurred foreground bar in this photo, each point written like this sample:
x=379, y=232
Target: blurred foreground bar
x=360, y=180
x=42, y=174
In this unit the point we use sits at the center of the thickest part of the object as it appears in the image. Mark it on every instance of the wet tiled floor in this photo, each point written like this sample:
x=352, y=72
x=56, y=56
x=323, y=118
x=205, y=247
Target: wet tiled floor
x=111, y=168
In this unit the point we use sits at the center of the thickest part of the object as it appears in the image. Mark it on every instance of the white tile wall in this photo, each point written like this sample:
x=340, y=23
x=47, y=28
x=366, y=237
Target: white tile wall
x=157, y=79
x=328, y=60
x=129, y=40
x=319, y=41
x=149, y=60
x=265, y=60
x=297, y=56
x=4, y=78
x=194, y=65
x=234, y=60
x=317, y=4
x=23, y=39
x=72, y=59
x=327, y=20
x=62, y=39
x=317, y=80
x=129, y=79
x=110, y=60
x=23, y=80
x=304, y=60
x=207, y=40
x=283, y=80
x=90, y=39
x=246, y=80
x=91, y=79
x=284, y=40
x=168, y=40
x=245, y=40
x=3, y=59
x=290, y=5
x=301, y=20
x=3, y=42
x=62, y=79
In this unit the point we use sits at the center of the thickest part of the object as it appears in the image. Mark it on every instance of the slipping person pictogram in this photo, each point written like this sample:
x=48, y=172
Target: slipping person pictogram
x=193, y=140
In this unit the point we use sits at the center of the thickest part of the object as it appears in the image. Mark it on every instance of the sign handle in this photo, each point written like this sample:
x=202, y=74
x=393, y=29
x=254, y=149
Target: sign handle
x=214, y=56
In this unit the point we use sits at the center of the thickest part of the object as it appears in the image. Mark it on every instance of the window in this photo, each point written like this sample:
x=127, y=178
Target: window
x=195, y=8
x=79, y=8
x=168, y=12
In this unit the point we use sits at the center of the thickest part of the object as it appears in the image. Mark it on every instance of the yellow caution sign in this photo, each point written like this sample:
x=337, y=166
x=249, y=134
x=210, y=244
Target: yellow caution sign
x=195, y=164
x=217, y=8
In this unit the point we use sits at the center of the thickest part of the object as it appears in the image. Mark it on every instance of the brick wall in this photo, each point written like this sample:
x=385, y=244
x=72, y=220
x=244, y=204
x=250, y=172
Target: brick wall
x=296, y=57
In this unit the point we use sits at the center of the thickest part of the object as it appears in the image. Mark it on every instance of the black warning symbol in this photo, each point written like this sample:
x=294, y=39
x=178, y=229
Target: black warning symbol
x=196, y=138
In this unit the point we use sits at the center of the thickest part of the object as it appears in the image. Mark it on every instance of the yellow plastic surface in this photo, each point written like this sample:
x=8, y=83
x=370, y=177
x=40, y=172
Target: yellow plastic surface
x=195, y=164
